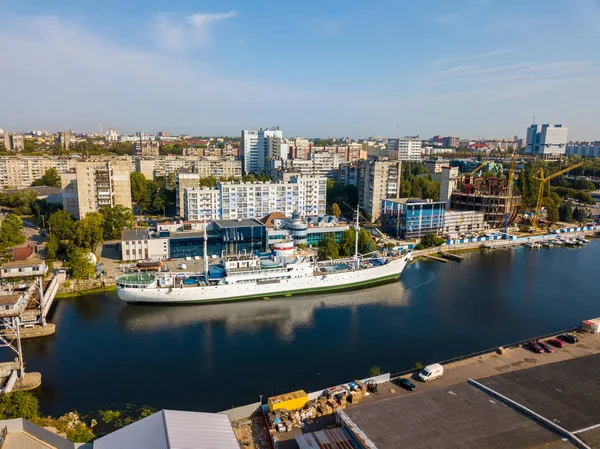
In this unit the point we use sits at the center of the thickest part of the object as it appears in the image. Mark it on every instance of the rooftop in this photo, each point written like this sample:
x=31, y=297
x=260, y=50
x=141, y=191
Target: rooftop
x=238, y=223
x=30, y=262
x=268, y=220
x=134, y=234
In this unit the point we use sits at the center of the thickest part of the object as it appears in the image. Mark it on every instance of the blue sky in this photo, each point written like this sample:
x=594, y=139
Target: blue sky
x=473, y=68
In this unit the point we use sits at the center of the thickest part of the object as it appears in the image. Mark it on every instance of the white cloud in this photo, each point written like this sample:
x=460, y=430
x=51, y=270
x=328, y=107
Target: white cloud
x=487, y=54
x=181, y=33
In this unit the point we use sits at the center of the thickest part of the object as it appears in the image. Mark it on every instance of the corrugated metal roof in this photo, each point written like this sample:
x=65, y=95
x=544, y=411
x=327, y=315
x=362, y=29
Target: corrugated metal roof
x=169, y=429
x=327, y=439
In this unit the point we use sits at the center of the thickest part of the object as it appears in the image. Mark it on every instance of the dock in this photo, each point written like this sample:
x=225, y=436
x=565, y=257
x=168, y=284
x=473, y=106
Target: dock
x=450, y=256
x=438, y=259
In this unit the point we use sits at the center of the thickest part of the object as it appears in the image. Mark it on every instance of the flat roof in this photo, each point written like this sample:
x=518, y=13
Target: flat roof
x=9, y=300
x=31, y=262
x=567, y=393
x=456, y=416
x=134, y=234
x=238, y=223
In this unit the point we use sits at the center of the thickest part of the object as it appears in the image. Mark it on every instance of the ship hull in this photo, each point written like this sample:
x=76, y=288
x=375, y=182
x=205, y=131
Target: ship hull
x=236, y=292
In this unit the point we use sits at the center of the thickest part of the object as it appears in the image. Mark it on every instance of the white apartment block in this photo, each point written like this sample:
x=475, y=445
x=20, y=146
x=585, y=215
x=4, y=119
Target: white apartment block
x=236, y=200
x=407, y=148
x=258, y=145
x=17, y=172
x=96, y=184
x=319, y=164
x=547, y=141
x=202, y=204
x=219, y=167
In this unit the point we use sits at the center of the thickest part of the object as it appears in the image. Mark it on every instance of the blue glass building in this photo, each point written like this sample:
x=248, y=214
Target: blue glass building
x=412, y=218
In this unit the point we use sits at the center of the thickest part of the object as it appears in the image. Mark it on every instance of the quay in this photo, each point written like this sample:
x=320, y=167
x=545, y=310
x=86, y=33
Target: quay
x=439, y=259
x=469, y=390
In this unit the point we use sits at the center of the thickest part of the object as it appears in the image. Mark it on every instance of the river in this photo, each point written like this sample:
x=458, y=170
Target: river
x=213, y=357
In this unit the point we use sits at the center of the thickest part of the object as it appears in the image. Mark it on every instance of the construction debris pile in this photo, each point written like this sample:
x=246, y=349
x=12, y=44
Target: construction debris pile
x=294, y=409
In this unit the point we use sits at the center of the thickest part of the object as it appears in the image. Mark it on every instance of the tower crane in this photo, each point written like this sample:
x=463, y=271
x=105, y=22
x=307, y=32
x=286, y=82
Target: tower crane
x=541, y=176
x=511, y=176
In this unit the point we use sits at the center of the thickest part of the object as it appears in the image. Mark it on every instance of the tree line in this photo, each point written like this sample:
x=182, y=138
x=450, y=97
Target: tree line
x=329, y=248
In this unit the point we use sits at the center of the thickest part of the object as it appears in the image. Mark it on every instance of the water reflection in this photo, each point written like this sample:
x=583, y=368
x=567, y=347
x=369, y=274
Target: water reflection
x=284, y=315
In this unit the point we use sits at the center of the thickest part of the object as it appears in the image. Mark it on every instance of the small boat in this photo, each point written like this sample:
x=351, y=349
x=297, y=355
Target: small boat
x=582, y=240
x=571, y=242
x=547, y=244
x=531, y=245
x=149, y=264
x=558, y=241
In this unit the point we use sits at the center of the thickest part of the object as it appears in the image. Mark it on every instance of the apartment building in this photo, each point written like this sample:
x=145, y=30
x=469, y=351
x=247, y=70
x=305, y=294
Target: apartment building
x=13, y=142
x=238, y=200
x=18, y=172
x=319, y=164
x=201, y=204
x=257, y=146
x=96, y=184
x=143, y=147
x=348, y=174
x=185, y=179
x=378, y=180
x=406, y=149
x=218, y=167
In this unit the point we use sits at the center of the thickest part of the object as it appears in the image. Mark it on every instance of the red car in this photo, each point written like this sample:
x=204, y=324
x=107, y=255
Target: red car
x=535, y=347
x=545, y=346
x=556, y=342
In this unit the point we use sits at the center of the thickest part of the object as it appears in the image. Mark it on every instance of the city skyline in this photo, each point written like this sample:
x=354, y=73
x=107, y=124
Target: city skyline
x=470, y=68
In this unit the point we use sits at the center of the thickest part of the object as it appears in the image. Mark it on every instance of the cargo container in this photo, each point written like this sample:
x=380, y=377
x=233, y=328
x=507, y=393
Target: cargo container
x=289, y=401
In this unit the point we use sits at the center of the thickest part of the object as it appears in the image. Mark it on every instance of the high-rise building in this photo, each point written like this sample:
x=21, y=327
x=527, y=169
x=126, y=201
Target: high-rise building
x=378, y=180
x=13, y=142
x=96, y=184
x=142, y=147
x=257, y=145
x=451, y=142
x=201, y=204
x=65, y=139
x=547, y=141
x=186, y=179
x=448, y=183
x=407, y=148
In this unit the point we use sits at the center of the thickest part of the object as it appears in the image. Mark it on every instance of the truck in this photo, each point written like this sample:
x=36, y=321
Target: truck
x=431, y=372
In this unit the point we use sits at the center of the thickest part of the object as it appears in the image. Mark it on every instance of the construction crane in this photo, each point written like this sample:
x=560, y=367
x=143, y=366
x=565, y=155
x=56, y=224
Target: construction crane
x=511, y=176
x=541, y=176
x=479, y=167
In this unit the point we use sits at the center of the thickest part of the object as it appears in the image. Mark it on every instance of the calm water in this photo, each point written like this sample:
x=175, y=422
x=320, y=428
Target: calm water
x=212, y=357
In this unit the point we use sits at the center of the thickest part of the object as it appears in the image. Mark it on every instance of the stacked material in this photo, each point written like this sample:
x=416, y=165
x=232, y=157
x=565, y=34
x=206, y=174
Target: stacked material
x=289, y=401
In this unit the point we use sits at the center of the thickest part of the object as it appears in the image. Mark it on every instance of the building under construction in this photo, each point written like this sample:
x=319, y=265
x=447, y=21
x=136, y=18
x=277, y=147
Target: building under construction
x=489, y=195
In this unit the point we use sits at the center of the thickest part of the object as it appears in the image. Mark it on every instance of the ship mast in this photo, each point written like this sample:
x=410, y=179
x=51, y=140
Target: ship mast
x=356, y=229
x=205, y=255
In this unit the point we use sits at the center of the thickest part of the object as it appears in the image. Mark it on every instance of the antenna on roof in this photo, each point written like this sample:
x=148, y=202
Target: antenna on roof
x=533, y=123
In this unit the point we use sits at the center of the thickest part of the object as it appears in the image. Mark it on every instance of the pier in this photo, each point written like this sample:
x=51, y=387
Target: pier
x=450, y=256
x=438, y=259
x=23, y=315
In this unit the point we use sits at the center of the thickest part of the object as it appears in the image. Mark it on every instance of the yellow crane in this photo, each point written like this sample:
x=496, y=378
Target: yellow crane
x=543, y=178
x=511, y=179
x=479, y=167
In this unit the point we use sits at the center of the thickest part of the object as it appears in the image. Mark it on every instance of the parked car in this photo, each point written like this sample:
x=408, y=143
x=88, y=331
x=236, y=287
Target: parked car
x=568, y=338
x=431, y=372
x=545, y=346
x=407, y=384
x=534, y=347
x=556, y=342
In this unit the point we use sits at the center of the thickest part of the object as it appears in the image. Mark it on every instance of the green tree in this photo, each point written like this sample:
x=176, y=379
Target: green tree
x=19, y=404
x=158, y=205
x=139, y=186
x=51, y=178
x=566, y=212
x=335, y=210
x=116, y=219
x=80, y=265
x=347, y=243
x=366, y=244
x=11, y=231
x=579, y=214
x=89, y=231
x=61, y=225
x=552, y=214
x=374, y=371
x=430, y=240
x=328, y=248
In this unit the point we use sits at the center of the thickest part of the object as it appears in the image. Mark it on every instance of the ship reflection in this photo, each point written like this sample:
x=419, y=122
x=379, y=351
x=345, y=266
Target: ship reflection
x=284, y=315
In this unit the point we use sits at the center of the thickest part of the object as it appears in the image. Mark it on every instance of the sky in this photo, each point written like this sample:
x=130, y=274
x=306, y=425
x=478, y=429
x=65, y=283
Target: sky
x=469, y=68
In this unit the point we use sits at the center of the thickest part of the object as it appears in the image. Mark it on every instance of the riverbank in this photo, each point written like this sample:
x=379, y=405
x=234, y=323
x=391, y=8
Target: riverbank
x=85, y=291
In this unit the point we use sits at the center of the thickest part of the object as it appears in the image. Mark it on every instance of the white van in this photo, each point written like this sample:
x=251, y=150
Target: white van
x=431, y=372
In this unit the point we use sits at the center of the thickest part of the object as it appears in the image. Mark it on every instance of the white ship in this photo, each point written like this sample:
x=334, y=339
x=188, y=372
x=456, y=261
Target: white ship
x=249, y=276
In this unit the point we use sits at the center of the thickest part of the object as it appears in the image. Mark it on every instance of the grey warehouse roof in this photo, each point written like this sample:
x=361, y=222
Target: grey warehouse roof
x=170, y=429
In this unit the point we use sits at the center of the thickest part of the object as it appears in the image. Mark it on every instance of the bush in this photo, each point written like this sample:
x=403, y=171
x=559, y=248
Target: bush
x=430, y=240
x=19, y=404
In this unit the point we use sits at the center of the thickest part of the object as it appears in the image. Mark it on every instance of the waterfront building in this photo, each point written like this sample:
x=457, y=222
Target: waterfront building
x=96, y=184
x=546, y=141
x=410, y=218
x=143, y=244
x=303, y=230
x=378, y=180
x=405, y=149
x=462, y=222
x=258, y=145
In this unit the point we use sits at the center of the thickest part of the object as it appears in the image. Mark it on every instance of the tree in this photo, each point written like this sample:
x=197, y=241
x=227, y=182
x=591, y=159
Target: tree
x=80, y=265
x=115, y=220
x=139, y=186
x=19, y=404
x=11, y=231
x=579, y=214
x=366, y=244
x=552, y=214
x=335, y=210
x=430, y=240
x=328, y=248
x=347, y=243
x=566, y=212
x=51, y=178
x=158, y=205
x=62, y=225
x=374, y=371
x=89, y=231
